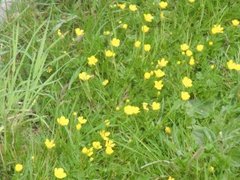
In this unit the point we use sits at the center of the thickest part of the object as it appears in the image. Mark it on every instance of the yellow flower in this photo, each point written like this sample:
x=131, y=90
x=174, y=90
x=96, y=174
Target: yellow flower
x=163, y=4
x=191, y=1
x=147, y=75
x=148, y=17
x=125, y=26
x=59, y=173
x=212, y=66
x=49, y=144
x=170, y=177
x=18, y=167
x=106, y=33
x=187, y=82
x=147, y=47
x=121, y=5
x=133, y=7
x=189, y=53
x=178, y=62
x=158, y=84
x=115, y=42
x=200, y=47
x=159, y=73
x=156, y=106
x=210, y=43
x=87, y=152
x=137, y=44
x=217, y=29
x=60, y=33
x=145, y=28
x=109, y=150
x=185, y=95
x=63, y=121
x=92, y=61
x=78, y=126
x=107, y=122
x=131, y=110
x=109, y=53
x=235, y=22
x=162, y=16
x=81, y=120
x=105, y=82
x=162, y=62
x=84, y=76
x=79, y=32
x=233, y=66
x=104, y=134
x=96, y=145
x=74, y=113
x=109, y=145
x=184, y=47
x=167, y=130
x=145, y=106
x=192, y=61
x=211, y=169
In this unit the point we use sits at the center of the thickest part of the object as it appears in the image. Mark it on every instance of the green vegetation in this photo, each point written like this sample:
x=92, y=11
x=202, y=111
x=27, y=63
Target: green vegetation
x=161, y=103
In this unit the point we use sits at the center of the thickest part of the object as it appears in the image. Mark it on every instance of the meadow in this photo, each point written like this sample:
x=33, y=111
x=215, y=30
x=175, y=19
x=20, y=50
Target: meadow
x=106, y=89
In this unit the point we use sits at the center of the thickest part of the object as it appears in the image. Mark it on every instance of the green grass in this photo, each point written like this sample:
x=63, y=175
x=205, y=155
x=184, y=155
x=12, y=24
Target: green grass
x=205, y=130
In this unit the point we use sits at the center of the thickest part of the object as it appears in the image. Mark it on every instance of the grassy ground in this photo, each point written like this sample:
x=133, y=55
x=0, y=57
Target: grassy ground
x=41, y=57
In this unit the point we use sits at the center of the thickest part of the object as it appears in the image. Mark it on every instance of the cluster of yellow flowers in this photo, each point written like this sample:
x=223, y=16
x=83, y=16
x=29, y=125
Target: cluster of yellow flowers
x=233, y=66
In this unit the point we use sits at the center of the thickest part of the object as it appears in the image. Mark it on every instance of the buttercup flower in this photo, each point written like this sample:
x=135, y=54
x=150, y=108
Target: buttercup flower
x=109, y=145
x=185, y=95
x=121, y=5
x=162, y=62
x=104, y=134
x=233, y=66
x=84, y=76
x=59, y=173
x=124, y=26
x=200, y=47
x=133, y=7
x=109, y=53
x=137, y=44
x=79, y=32
x=155, y=106
x=147, y=75
x=235, y=22
x=92, y=61
x=63, y=121
x=187, y=82
x=18, y=167
x=184, y=47
x=159, y=73
x=81, y=120
x=106, y=33
x=192, y=61
x=60, y=34
x=147, y=47
x=191, y=1
x=49, y=143
x=96, y=145
x=167, y=130
x=158, y=84
x=189, y=53
x=145, y=28
x=163, y=4
x=217, y=29
x=115, y=42
x=131, y=110
x=145, y=106
x=78, y=126
x=105, y=82
x=148, y=17
x=170, y=178
x=87, y=151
